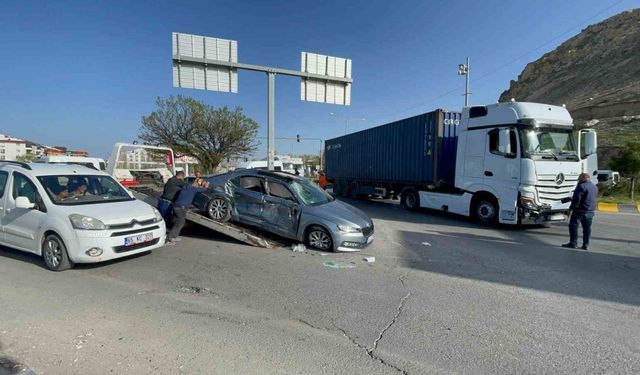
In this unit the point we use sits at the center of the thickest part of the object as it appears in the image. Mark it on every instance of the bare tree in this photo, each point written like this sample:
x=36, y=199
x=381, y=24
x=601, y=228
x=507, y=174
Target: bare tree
x=191, y=127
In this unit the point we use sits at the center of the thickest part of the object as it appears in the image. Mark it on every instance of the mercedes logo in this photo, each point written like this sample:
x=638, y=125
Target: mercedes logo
x=559, y=179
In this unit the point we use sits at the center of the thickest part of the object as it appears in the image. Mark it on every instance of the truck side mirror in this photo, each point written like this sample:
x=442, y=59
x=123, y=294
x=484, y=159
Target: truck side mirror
x=590, y=143
x=504, y=141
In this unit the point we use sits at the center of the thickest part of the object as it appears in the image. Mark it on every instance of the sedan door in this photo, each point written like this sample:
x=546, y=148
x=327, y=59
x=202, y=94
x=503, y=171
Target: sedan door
x=248, y=199
x=281, y=213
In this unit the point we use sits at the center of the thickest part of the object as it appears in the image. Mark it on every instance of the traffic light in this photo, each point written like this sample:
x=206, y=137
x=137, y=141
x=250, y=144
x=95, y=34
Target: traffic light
x=298, y=138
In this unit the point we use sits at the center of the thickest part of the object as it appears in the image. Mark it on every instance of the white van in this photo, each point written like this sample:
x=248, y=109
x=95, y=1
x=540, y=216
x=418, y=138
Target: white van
x=73, y=214
x=95, y=163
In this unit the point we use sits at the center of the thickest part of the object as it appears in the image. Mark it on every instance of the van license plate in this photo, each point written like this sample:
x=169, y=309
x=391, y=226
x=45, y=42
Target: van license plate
x=141, y=238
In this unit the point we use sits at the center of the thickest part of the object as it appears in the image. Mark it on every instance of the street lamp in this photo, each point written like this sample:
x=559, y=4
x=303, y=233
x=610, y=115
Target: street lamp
x=346, y=120
x=465, y=70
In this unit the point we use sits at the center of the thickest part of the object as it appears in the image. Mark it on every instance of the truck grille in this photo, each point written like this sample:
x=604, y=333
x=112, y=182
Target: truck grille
x=550, y=192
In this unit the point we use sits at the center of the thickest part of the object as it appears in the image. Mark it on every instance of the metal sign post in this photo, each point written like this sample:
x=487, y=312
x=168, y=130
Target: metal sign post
x=211, y=64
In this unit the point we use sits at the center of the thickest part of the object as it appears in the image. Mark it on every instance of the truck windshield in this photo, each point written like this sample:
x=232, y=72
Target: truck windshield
x=549, y=143
x=309, y=193
x=83, y=189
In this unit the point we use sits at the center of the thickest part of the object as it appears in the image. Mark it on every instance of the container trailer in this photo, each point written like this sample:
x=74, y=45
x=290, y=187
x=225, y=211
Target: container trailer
x=511, y=163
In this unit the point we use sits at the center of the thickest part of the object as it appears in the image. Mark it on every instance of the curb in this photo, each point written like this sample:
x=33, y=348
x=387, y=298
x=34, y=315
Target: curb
x=619, y=208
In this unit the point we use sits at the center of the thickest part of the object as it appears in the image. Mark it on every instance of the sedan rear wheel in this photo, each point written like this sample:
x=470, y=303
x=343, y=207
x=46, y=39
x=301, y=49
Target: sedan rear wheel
x=320, y=239
x=218, y=209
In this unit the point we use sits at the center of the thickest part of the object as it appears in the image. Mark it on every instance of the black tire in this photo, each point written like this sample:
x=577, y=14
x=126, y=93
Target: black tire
x=410, y=199
x=354, y=192
x=337, y=188
x=345, y=191
x=219, y=209
x=318, y=238
x=486, y=210
x=54, y=254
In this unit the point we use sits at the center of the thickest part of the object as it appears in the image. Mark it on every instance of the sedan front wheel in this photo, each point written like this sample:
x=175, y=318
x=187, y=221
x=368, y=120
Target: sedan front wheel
x=319, y=238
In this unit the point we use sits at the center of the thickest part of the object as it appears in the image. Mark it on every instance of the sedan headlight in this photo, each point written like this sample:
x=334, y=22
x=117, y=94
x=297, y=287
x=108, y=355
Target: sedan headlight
x=348, y=229
x=86, y=223
x=158, y=215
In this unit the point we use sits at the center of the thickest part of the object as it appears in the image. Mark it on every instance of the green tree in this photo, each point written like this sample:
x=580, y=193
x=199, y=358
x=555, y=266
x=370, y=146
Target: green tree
x=191, y=127
x=27, y=158
x=627, y=162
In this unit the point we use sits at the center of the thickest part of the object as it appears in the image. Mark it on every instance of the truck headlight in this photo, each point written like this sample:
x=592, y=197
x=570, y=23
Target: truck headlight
x=528, y=202
x=349, y=229
x=86, y=222
x=159, y=217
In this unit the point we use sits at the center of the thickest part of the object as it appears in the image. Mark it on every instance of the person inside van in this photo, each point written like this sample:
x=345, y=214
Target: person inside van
x=76, y=189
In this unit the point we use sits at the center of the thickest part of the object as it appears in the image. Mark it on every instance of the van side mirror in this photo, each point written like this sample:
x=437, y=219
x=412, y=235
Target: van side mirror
x=23, y=202
x=504, y=141
x=590, y=143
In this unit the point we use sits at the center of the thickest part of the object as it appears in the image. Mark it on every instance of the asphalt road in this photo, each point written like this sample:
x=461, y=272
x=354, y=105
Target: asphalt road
x=443, y=296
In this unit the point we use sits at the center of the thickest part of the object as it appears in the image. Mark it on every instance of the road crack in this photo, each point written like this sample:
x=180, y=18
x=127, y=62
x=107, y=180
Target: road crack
x=371, y=350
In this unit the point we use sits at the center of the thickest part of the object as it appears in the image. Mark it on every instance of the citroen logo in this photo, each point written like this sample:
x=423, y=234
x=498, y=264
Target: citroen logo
x=559, y=179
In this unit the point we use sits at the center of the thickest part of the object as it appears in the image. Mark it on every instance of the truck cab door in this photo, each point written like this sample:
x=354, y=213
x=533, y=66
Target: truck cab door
x=502, y=169
x=588, y=147
x=281, y=213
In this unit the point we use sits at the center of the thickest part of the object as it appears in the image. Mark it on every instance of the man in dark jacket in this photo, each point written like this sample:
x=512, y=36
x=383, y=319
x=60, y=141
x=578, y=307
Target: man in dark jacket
x=583, y=207
x=169, y=193
x=181, y=205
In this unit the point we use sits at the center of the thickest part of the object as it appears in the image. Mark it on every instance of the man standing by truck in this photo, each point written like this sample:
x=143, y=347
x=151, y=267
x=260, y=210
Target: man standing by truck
x=583, y=207
x=181, y=205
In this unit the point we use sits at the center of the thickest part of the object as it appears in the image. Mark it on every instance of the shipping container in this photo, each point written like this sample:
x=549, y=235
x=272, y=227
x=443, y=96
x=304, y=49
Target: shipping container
x=419, y=151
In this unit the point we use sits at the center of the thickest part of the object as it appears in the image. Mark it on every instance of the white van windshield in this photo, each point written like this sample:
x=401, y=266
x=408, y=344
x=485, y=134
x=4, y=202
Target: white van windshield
x=83, y=189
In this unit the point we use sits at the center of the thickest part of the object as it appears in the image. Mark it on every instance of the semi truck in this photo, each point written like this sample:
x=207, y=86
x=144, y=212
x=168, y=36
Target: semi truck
x=509, y=163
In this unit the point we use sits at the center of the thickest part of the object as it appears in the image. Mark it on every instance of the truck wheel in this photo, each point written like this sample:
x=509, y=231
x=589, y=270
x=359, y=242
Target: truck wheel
x=218, y=209
x=486, y=210
x=54, y=253
x=410, y=199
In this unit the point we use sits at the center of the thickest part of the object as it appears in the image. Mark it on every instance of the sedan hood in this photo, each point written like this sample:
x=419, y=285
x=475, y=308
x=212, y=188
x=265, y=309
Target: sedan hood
x=340, y=213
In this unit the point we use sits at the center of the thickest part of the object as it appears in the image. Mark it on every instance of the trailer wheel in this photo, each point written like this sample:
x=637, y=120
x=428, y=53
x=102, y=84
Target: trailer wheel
x=338, y=187
x=355, y=190
x=410, y=199
x=486, y=210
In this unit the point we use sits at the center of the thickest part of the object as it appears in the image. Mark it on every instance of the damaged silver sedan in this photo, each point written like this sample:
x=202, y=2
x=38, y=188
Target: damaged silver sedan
x=287, y=205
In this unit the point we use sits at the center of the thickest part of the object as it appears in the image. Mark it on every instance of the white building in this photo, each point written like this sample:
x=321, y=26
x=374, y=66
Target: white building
x=11, y=148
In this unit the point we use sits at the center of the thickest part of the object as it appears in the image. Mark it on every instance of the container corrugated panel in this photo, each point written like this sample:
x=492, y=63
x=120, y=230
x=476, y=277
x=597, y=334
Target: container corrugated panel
x=404, y=151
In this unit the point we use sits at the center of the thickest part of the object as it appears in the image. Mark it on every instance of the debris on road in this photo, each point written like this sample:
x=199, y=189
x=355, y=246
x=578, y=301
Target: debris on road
x=370, y=259
x=426, y=244
x=195, y=290
x=298, y=248
x=338, y=265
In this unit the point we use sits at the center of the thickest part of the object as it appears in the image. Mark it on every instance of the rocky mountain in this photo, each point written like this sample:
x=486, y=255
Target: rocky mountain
x=597, y=75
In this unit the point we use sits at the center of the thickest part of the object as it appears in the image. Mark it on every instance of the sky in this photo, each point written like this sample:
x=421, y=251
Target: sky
x=81, y=74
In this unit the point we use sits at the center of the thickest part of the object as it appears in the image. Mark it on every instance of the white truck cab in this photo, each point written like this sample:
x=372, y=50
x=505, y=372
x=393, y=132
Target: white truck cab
x=73, y=214
x=516, y=163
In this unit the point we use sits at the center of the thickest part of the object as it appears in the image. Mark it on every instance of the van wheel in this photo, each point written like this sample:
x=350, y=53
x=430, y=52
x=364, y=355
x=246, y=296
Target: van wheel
x=218, y=209
x=54, y=253
x=486, y=210
x=319, y=238
x=410, y=199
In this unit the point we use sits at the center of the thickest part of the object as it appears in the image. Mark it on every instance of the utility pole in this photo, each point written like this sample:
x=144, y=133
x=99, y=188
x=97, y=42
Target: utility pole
x=465, y=70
